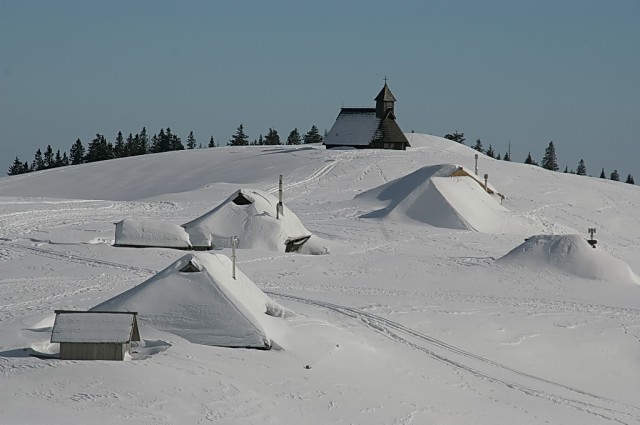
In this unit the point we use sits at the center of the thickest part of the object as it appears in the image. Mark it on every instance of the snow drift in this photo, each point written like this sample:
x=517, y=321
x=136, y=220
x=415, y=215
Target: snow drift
x=150, y=233
x=445, y=195
x=569, y=254
x=249, y=214
x=197, y=298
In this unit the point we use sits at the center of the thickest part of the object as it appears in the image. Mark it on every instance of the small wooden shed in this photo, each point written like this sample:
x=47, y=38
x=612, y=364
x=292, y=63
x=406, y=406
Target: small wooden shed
x=94, y=335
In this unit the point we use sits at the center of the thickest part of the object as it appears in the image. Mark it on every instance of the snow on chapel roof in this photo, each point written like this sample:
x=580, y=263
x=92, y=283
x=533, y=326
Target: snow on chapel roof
x=354, y=127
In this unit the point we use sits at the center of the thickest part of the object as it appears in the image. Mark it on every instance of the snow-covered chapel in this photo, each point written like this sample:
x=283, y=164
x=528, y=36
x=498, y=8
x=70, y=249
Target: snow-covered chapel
x=372, y=128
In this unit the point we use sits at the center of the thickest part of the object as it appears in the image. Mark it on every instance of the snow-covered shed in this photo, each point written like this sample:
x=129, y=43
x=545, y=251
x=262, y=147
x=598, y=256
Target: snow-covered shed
x=90, y=335
x=197, y=298
x=368, y=127
x=150, y=233
x=249, y=214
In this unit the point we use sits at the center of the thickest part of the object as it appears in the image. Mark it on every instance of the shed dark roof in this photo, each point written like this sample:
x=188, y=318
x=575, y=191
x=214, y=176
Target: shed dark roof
x=385, y=95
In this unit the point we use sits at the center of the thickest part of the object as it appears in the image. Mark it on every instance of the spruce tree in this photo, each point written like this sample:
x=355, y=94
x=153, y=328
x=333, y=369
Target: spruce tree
x=119, y=148
x=16, y=168
x=566, y=169
x=272, y=137
x=615, y=176
x=65, y=159
x=58, y=161
x=38, y=162
x=129, y=146
x=529, y=160
x=490, y=153
x=602, y=174
x=142, y=144
x=456, y=137
x=99, y=149
x=191, y=141
x=76, y=153
x=499, y=157
x=174, y=143
x=212, y=143
x=550, y=161
x=478, y=146
x=312, y=136
x=507, y=157
x=629, y=179
x=239, y=138
x=294, y=137
x=48, y=158
x=582, y=169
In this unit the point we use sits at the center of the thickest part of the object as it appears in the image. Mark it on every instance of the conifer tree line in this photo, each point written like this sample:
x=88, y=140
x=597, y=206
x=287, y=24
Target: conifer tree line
x=101, y=149
x=549, y=159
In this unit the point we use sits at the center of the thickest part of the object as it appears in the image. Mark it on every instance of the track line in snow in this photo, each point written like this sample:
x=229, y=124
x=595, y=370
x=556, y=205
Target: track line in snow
x=78, y=259
x=392, y=329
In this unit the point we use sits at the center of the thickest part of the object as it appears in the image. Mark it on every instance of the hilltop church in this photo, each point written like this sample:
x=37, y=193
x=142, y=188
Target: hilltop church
x=368, y=128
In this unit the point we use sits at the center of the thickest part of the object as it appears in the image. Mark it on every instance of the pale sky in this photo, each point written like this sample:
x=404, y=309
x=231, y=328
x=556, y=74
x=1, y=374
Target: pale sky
x=520, y=71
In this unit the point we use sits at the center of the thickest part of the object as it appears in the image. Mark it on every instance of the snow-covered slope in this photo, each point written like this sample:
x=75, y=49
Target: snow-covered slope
x=405, y=321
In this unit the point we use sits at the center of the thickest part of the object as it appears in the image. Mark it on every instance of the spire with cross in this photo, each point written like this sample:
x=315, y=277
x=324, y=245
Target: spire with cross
x=384, y=100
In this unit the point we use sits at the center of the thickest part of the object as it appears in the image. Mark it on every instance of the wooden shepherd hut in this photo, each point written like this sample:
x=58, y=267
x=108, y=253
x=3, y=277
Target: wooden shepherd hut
x=368, y=128
x=94, y=335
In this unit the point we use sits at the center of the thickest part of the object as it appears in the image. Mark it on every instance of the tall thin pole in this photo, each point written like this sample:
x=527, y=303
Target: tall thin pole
x=279, y=208
x=234, y=244
x=476, y=164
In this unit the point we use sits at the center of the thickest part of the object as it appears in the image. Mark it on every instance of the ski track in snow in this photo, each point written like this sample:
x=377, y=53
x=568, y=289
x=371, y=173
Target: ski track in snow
x=392, y=329
x=76, y=212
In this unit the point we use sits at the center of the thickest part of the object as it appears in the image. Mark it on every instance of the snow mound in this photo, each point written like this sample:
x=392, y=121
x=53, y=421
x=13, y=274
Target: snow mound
x=149, y=233
x=569, y=254
x=445, y=195
x=197, y=298
x=249, y=214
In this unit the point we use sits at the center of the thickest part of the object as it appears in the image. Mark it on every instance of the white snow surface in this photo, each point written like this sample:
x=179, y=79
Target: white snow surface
x=406, y=320
x=207, y=306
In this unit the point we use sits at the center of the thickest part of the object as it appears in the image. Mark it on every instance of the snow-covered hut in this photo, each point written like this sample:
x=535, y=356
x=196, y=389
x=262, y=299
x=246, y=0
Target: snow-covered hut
x=368, y=127
x=90, y=335
x=197, y=298
x=150, y=233
x=249, y=214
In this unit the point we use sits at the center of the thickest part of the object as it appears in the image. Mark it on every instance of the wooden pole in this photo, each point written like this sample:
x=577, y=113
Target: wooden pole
x=279, y=208
x=234, y=244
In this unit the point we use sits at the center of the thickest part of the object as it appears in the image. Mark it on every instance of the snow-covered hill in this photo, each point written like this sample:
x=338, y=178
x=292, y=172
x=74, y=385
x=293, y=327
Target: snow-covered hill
x=409, y=319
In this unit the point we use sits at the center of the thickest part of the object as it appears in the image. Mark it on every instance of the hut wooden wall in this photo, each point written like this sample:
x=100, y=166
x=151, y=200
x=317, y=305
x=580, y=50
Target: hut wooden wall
x=92, y=351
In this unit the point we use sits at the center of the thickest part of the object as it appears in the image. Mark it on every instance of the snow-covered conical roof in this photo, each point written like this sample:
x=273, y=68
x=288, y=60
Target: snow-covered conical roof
x=197, y=298
x=249, y=214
